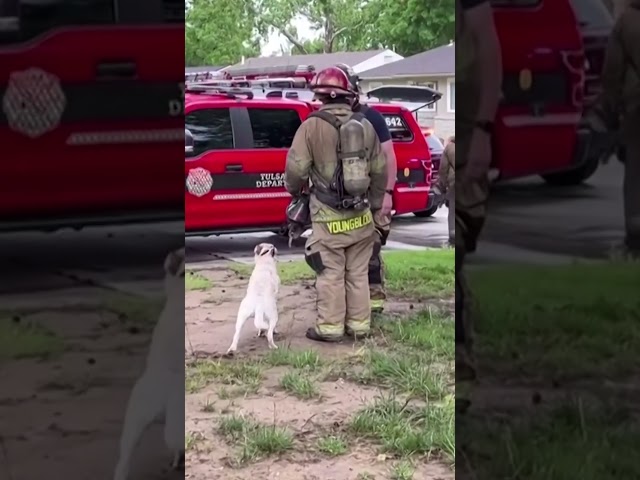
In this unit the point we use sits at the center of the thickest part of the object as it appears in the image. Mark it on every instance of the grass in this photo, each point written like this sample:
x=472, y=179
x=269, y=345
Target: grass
x=409, y=372
x=427, y=330
x=256, y=441
x=403, y=470
x=409, y=357
x=409, y=274
x=239, y=374
x=568, y=321
x=290, y=273
x=196, y=281
x=420, y=274
x=300, y=359
x=19, y=340
x=404, y=430
x=193, y=440
x=299, y=385
x=572, y=441
x=332, y=446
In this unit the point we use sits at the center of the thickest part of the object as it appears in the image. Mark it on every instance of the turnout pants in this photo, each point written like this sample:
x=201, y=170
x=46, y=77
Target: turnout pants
x=341, y=263
x=376, y=264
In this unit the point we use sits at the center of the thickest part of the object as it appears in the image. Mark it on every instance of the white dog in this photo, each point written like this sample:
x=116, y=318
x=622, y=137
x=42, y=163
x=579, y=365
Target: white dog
x=160, y=389
x=261, y=299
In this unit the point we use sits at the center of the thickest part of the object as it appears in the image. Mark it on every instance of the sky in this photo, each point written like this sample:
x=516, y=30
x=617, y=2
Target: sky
x=277, y=40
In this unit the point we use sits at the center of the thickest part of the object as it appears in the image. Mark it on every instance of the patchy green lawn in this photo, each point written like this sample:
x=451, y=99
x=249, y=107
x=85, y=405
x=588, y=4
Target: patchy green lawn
x=196, y=281
x=20, y=340
x=559, y=350
x=409, y=274
x=571, y=441
x=568, y=321
x=391, y=395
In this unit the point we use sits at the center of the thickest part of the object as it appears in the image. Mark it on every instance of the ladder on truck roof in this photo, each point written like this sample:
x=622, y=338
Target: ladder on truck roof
x=285, y=70
x=411, y=97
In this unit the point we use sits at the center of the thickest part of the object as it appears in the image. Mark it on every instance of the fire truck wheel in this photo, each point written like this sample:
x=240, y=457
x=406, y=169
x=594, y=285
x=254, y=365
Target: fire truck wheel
x=426, y=213
x=573, y=177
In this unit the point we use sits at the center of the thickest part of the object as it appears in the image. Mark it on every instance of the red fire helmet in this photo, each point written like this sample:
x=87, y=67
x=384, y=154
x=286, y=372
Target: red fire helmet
x=333, y=82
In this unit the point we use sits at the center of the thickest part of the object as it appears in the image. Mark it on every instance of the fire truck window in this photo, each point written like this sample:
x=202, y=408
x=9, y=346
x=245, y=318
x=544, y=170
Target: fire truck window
x=265, y=135
x=400, y=131
x=211, y=129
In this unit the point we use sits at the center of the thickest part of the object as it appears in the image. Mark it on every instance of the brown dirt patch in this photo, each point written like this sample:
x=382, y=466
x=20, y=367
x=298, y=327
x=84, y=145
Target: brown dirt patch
x=210, y=318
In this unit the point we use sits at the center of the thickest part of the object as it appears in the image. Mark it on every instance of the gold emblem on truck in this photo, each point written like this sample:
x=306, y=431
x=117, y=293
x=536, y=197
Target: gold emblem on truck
x=526, y=79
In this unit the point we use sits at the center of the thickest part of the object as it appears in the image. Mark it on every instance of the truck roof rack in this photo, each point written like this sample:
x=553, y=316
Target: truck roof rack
x=285, y=70
x=217, y=90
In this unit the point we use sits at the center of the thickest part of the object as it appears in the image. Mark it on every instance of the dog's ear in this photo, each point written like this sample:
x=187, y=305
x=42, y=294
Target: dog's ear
x=274, y=251
x=258, y=250
x=174, y=263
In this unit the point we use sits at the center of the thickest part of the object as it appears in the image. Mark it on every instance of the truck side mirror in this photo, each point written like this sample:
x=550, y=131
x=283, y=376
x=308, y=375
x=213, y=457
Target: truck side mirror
x=188, y=142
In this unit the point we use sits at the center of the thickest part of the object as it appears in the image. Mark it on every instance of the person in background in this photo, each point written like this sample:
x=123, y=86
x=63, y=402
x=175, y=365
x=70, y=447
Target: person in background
x=447, y=184
x=479, y=85
x=618, y=110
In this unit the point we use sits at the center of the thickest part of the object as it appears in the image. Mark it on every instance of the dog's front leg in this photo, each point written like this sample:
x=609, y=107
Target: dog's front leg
x=145, y=404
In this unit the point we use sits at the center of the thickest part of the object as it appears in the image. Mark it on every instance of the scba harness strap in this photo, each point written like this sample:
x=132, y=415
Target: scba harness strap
x=335, y=196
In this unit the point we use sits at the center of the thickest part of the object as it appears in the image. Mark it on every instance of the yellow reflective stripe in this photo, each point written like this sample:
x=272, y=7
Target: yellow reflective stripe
x=343, y=226
x=377, y=303
x=359, y=327
x=330, y=330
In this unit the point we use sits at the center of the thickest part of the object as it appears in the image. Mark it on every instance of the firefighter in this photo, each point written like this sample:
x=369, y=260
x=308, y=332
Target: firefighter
x=618, y=110
x=339, y=152
x=478, y=74
x=447, y=183
x=376, y=265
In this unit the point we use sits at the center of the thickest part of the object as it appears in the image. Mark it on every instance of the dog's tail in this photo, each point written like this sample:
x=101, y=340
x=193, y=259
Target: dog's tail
x=258, y=317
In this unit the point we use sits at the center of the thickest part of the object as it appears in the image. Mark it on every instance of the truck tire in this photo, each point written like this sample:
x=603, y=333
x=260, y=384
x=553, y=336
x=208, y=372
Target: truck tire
x=426, y=213
x=573, y=177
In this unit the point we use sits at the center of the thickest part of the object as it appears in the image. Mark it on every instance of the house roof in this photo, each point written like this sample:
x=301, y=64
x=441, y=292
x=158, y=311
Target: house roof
x=436, y=62
x=204, y=68
x=318, y=60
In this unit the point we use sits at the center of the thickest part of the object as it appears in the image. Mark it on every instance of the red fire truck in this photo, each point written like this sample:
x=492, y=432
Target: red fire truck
x=241, y=128
x=539, y=129
x=92, y=112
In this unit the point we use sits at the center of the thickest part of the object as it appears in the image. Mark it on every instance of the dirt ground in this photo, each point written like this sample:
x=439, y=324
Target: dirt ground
x=210, y=318
x=62, y=417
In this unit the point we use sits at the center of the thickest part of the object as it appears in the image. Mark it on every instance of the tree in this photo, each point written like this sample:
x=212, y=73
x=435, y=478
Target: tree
x=410, y=26
x=407, y=26
x=220, y=32
x=334, y=19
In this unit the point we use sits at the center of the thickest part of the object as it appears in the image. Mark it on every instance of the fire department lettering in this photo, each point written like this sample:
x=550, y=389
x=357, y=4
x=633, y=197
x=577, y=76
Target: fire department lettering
x=270, y=180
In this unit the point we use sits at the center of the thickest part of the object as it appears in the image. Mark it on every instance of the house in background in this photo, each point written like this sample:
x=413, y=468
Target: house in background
x=359, y=61
x=435, y=69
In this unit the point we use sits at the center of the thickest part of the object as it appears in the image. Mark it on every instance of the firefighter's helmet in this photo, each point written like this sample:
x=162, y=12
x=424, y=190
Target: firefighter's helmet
x=354, y=80
x=333, y=82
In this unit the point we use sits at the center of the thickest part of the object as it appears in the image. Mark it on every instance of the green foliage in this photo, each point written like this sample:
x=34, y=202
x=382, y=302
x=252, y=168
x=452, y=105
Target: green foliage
x=221, y=31
x=410, y=26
